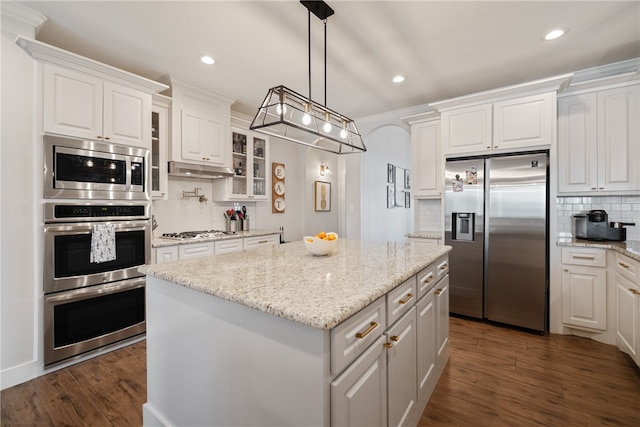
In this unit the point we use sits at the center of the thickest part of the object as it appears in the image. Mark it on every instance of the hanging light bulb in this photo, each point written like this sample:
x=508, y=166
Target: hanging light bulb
x=343, y=131
x=306, y=118
x=281, y=108
x=327, y=126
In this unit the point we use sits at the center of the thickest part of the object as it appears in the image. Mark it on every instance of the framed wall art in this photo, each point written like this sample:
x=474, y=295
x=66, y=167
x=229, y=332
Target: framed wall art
x=391, y=198
x=322, y=196
x=390, y=173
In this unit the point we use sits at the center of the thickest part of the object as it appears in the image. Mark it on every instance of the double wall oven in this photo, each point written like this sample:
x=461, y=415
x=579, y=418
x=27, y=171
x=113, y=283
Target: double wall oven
x=91, y=302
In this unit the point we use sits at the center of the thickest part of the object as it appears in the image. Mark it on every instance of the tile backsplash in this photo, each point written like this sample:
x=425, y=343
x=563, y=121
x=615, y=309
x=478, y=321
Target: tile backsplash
x=428, y=216
x=618, y=208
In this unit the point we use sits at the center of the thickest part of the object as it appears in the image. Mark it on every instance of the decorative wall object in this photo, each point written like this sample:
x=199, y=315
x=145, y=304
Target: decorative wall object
x=322, y=196
x=277, y=193
x=398, y=186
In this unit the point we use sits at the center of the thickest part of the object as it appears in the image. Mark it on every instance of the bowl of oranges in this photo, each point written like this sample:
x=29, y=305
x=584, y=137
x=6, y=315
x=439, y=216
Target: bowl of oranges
x=322, y=243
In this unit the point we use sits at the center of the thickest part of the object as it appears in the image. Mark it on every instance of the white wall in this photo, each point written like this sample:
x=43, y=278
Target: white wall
x=20, y=189
x=387, y=144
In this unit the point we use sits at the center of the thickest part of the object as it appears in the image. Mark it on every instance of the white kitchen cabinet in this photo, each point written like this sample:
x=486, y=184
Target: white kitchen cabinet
x=598, y=142
x=401, y=369
x=509, y=124
x=442, y=320
x=195, y=250
x=159, y=145
x=200, y=125
x=87, y=106
x=427, y=351
x=227, y=246
x=584, y=288
x=260, y=241
x=426, y=160
x=467, y=130
x=166, y=254
x=627, y=285
x=359, y=394
x=250, y=161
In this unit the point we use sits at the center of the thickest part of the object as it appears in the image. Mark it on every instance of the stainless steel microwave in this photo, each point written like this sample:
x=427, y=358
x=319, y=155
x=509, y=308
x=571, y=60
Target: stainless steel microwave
x=85, y=169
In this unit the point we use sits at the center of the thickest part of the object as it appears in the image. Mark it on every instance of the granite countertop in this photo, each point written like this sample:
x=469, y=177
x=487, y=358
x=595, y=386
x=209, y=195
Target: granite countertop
x=425, y=235
x=158, y=242
x=287, y=281
x=629, y=248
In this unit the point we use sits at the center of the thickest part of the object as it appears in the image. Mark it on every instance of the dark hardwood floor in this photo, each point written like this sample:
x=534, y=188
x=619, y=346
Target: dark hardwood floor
x=496, y=376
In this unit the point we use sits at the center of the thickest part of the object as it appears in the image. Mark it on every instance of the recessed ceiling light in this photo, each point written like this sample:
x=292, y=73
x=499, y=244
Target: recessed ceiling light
x=552, y=35
x=398, y=79
x=207, y=59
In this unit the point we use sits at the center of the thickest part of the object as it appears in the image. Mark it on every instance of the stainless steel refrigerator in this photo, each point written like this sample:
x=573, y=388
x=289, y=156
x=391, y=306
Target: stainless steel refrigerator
x=496, y=220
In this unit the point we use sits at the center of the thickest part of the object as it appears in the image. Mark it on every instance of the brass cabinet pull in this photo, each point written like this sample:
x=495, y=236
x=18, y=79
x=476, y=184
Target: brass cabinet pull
x=387, y=345
x=406, y=299
x=623, y=265
x=262, y=241
x=443, y=267
x=634, y=291
x=371, y=327
x=107, y=138
x=438, y=291
x=395, y=338
x=583, y=256
x=428, y=279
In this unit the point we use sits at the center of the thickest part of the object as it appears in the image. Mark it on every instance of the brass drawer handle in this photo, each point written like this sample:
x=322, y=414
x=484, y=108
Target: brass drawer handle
x=262, y=241
x=444, y=266
x=395, y=338
x=371, y=327
x=583, y=256
x=428, y=279
x=406, y=299
x=634, y=291
x=623, y=265
x=438, y=291
x=387, y=345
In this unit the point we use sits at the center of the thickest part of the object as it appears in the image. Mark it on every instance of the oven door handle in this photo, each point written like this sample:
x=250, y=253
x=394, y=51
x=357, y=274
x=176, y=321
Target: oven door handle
x=86, y=227
x=93, y=291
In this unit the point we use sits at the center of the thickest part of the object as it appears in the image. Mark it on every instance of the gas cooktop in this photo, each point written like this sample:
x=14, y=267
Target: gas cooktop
x=193, y=235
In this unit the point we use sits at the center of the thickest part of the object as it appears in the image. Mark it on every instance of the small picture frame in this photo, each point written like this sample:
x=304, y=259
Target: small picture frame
x=407, y=199
x=391, y=198
x=390, y=173
x=399, y=178
x=322, y=196
x=407, y=179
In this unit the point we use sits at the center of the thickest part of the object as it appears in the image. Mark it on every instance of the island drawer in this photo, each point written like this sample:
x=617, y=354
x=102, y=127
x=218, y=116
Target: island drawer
x=426, y=280
x=353, y=336
x=401, y=299
x=227, y=246
x=442, y=266
x=259, y=241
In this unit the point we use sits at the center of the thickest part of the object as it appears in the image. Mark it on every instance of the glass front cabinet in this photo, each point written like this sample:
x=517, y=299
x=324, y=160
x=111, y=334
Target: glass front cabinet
x=159, y=145
x=250, y=162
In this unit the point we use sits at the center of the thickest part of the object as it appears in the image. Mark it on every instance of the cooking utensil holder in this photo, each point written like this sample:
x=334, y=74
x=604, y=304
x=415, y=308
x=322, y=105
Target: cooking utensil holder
x=232, y=226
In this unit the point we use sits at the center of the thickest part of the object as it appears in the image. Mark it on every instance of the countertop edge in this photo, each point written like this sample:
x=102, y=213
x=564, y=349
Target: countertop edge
x=159, y=242
x=630, y=249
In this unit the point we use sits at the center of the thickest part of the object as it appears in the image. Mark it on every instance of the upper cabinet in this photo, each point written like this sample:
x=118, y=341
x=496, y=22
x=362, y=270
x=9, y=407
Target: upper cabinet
x=426, y=159
x=501, y=120
x=159, y=145
x=87, y=99
x=250, y=161
x=86, y=106
x=522, y=122
x=200, y=126
x=599, y=142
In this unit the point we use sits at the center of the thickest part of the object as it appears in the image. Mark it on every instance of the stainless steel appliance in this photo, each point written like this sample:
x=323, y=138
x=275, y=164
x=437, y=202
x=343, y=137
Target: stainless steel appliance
x=88, y=305
x=85, y=169
x=595, y=225
x=496, y=211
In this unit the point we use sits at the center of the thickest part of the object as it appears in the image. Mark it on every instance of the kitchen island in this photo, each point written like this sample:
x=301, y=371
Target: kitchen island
x=268, y=337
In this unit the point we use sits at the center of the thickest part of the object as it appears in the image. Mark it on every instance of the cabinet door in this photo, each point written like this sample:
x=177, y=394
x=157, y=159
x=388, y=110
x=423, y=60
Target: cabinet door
x=577, y=144
x=72, y=103
x=401, y=369
x=584, y=297
x=126, y=115
x=227, y=246
x=427, y=348
x=627, y=295
x=195, y=250
x=619, y=139
x=204, y=130
x=426, y=160
x=359, y=395
x=159, y=147
x=166, y=254
x=524, y=122
x=442, y=315
x=467, y=130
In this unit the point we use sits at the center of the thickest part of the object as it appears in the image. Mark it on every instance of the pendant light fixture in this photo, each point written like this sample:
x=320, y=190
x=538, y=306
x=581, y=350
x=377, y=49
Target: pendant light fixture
x=289, y=115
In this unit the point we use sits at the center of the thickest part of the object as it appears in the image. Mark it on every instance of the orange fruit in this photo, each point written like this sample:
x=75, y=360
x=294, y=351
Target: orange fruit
x=331, y=237
x=322, y=235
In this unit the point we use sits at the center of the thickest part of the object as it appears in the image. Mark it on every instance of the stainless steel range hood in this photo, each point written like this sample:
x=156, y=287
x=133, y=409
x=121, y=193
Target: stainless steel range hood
x=198, y=171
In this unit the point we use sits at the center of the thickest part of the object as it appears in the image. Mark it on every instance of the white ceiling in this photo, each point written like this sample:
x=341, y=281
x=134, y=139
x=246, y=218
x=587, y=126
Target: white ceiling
x=444, y=49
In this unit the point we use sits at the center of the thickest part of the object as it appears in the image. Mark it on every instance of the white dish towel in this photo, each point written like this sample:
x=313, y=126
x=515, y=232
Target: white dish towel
x=103, y=243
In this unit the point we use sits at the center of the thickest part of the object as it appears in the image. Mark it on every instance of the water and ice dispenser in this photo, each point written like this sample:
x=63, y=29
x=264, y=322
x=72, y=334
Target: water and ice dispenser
x=463, y=225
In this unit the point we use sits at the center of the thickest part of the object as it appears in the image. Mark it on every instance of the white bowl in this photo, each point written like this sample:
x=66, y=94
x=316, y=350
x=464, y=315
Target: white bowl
x=319, y=246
